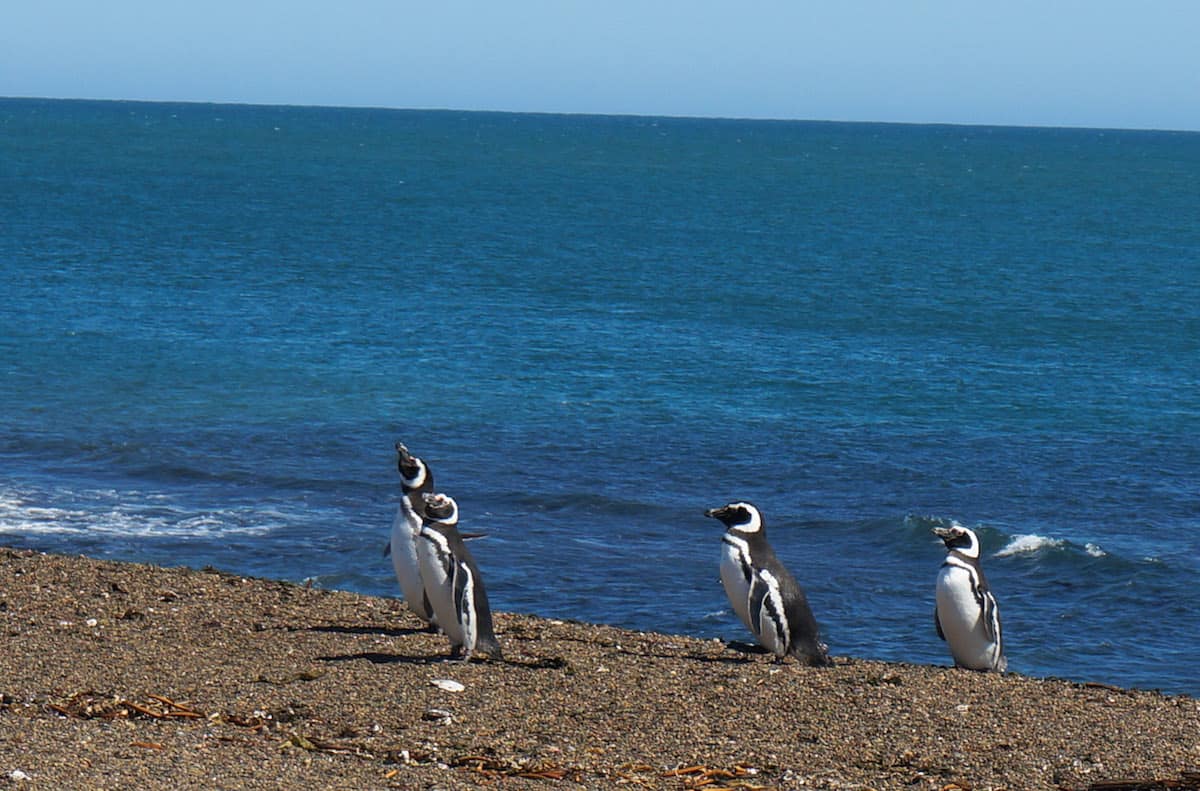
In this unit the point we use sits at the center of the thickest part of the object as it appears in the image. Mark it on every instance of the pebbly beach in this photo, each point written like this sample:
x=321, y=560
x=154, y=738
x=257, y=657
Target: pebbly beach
x=118, y=674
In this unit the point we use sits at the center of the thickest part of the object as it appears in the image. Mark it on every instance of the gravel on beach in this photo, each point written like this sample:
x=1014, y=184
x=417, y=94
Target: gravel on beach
x=118, y=675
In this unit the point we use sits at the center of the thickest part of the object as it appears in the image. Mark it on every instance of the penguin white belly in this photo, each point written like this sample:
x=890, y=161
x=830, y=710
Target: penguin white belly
x=735, y=559
x=407, y=566
x=961, y=619
x=437, y=574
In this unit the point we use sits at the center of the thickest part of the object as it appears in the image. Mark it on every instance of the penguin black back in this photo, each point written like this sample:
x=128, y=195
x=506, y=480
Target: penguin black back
x=761, y=589
x=458, y=588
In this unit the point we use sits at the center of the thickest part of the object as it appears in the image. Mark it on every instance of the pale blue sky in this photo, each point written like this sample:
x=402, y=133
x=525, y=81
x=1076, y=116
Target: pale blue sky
x=1047, y=63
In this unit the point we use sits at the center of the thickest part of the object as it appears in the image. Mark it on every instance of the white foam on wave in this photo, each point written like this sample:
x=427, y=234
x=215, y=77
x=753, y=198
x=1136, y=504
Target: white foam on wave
x=29, y=513
x=1027, y=544
x=1030, y=543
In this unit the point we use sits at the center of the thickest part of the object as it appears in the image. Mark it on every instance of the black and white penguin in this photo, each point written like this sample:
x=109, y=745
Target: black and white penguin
x=452, y=582
x=763, y=593
x=966, y=615
x=415, y=481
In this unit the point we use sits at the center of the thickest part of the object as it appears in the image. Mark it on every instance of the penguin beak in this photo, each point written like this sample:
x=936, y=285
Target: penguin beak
x=715, y=513
x=944, y=533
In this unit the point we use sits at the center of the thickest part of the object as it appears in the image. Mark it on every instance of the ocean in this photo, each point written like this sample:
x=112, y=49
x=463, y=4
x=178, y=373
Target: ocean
x=217, y=321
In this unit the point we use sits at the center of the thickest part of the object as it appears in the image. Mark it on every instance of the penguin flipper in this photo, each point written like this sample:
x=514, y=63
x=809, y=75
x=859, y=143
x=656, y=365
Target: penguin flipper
x=991, y=617
x=937, y=623
x=464, y=603
x=767, y=615
x=754, y=602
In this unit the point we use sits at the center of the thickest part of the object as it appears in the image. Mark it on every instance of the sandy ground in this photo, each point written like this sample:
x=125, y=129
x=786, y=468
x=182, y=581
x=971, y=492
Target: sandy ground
x=119, y=675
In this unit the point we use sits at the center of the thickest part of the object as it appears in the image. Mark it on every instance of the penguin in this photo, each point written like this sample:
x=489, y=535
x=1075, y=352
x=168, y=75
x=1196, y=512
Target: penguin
x=965, y=612
x=416, y=480
x=452, y=582
x=765, y=596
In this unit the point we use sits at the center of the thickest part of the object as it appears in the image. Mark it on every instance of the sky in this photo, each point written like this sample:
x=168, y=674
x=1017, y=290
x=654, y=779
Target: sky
x=1049, y=63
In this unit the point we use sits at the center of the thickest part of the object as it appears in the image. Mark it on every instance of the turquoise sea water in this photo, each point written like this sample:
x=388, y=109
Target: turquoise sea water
x=217, y=320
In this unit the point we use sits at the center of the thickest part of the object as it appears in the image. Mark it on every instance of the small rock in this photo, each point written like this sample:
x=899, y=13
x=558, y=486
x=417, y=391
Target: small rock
x=440, y=716
x=447, y=684
x=17, y=776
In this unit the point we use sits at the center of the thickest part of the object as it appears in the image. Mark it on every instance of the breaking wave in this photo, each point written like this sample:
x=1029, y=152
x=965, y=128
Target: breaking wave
x=1028, y=544
x=106, y=512
x=1011, y=544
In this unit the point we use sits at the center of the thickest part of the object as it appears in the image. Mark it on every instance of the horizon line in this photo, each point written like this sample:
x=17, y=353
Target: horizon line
x=597, y=114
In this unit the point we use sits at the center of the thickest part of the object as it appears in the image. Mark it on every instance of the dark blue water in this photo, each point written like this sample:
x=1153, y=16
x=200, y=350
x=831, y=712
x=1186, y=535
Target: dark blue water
x=217, y=320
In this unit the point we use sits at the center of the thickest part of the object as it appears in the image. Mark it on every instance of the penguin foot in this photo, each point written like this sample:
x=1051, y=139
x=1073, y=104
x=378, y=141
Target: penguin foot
x=745, y=648
x=493, y=655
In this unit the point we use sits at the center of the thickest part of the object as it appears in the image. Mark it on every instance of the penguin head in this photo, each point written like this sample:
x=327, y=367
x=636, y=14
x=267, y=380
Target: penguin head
x=959, y=539
x=742, y=517
x=412, y=469
x=440, y=509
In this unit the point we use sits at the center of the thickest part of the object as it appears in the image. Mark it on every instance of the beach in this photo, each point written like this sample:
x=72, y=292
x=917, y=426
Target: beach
x=118, y=675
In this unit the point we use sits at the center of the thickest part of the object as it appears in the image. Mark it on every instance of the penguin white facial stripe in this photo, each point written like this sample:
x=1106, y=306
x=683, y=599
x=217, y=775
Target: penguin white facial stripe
x=971, y=550
x=418, y=479
x=753, y=524
x=436, y=503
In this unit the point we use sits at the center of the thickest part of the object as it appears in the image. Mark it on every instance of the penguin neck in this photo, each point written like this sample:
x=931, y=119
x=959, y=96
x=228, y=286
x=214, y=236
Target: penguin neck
x=445, y=528
x=956, y=558
x=748, y=538
x=412, y=490
x=419, y=480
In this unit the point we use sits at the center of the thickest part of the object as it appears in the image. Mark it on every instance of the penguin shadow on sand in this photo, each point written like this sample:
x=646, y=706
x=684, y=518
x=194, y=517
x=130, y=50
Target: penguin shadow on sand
x=392, y=658
x=376, y=657
x=383, y=658
x=384, y=631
